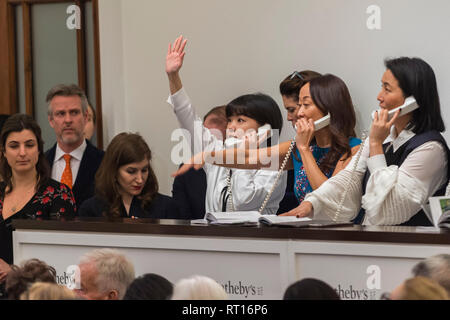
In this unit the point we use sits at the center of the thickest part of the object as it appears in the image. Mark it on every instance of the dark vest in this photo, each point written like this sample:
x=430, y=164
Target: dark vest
x=397, y=158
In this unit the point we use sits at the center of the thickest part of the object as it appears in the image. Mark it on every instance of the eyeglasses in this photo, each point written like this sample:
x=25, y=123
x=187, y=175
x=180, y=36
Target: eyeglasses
x=297, y=74
x=385, y=296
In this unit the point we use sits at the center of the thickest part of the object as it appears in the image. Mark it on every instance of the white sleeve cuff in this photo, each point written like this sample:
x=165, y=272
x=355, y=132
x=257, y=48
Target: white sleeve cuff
x=376, y=162
x=317, y=206
x=178, y=98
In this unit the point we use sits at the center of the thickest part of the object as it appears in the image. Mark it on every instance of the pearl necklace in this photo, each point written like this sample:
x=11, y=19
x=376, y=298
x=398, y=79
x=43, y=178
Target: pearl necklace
x=230, y=203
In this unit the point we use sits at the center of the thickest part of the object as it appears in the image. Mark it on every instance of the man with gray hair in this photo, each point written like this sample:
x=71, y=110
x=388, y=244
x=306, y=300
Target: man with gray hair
x=436, y=268
x=105, y=274
x=73, y=159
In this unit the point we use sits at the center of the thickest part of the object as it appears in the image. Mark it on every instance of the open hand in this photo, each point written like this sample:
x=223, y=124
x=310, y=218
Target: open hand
x=175, y=55
x=381, y=127
x=305, y=209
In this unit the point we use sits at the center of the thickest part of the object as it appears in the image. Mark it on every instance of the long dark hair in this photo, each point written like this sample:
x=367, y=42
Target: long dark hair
x=416, y=78
x=18, y=123
x=123, y=149
x=331, y=95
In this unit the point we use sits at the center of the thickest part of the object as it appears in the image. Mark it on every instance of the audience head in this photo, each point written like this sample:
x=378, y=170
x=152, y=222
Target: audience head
x=290, y=88
x=126, y=171
x=22, y=149
x=48, y=291
x=150, y=286
x=406, y=77
x=310, y=289
x=251, y=111
x=89, y=128
x=67, y=115
x=324, y=95
x=21, y=277
x=437, y=268
x=419, y=288
x=105, y=274
x=198, y=288
x=216, y=121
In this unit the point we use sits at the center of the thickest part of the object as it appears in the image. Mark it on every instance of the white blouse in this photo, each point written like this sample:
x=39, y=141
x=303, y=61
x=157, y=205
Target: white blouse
x=249, y=187
x=393, y=194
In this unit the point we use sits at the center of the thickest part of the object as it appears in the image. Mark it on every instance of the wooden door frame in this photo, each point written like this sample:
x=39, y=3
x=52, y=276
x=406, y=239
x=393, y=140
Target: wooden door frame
x=8, y=75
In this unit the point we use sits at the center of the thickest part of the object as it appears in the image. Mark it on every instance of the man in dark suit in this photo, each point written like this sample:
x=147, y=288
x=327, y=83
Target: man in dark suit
x=73, y=159
x=189, y=189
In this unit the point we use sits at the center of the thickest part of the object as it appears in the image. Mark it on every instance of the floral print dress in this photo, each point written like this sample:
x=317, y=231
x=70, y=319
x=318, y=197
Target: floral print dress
x=53, y=199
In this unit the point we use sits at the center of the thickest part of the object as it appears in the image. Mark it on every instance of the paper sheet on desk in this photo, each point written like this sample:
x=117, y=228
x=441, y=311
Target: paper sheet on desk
x=233, y=218
x=199, y=221
x=274, y=219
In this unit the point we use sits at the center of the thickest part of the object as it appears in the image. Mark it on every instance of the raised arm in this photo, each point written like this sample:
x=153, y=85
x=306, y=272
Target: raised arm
x=200, y=137
x=174, y=62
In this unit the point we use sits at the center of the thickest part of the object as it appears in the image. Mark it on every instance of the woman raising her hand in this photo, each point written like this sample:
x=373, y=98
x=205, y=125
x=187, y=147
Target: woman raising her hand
x=318, y=154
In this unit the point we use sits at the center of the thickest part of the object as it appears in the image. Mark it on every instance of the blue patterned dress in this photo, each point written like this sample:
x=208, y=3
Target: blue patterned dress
x=301, y=185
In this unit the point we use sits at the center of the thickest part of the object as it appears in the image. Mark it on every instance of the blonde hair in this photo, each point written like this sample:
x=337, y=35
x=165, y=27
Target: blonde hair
x=437, y=268
x=421, y=288
x=115, y=271
x=198, y=288
x=48, y=291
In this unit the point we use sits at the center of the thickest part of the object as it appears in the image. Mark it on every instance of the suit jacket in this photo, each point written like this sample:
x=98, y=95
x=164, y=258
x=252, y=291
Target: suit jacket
x=84, y=187
x=189, y=192
x=289, y=201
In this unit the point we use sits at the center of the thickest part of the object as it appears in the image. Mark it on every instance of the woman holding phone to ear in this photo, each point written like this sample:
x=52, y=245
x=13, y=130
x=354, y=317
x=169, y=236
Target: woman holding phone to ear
x=289, y=90
x=323, y=153
x=318, y=155
x=228, y=190
x=403, y=163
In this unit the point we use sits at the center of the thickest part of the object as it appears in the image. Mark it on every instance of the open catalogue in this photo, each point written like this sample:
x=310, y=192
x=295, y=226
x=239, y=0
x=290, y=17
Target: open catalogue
x=253, y=218
x=438, y=211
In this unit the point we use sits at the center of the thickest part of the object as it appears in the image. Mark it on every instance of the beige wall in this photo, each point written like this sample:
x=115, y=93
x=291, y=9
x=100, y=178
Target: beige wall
x=237, y=47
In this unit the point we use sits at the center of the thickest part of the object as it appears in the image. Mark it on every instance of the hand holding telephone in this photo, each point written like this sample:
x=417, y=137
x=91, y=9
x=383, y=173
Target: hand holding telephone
x=265, y=131
x=321, y=123
x=409, y=106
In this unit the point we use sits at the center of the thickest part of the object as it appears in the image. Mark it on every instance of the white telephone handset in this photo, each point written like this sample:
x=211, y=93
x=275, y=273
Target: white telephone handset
x=409, y=106
x=264, y=130
x=321, y=123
